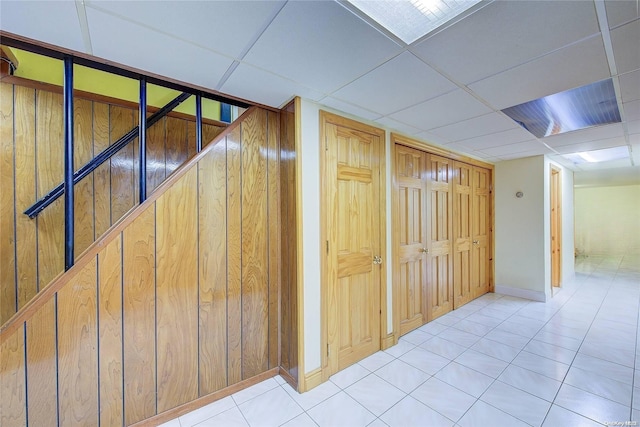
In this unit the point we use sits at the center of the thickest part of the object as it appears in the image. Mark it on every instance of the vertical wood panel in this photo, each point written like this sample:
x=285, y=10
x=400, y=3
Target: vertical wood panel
x=42, y=367
x=273, y=221
x=83, y=191
x=122, y=164
x=177, y=293
x=234, y=257
x=209, y=132
x=191, y=139
x=139, y=317
x=77, y=349
x=49, y=172
x=12, y=381
x=8, y=290
x=156, y=151
x=255, y=291
x=176, y=143
x=212, y=233
x=25, y=193
x=102, y=175
x=110, y=333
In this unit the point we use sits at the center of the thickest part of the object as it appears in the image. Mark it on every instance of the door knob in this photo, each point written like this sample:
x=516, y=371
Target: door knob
x=377, y=259
x=475, y=242
x=424, y=250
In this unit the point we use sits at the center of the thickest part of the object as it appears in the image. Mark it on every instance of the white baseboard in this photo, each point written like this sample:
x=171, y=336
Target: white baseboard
x=521, y=293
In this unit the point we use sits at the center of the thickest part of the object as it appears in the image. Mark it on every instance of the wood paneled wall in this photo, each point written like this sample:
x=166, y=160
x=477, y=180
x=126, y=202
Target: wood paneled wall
x=178, y=301
x=31, y=159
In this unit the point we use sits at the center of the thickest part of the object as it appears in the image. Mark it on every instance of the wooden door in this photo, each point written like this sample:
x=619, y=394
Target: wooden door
x=462, y=228
x=481, y=231
x=354, y=227
x=411, y=237
x=439, y=236
x=555, y=227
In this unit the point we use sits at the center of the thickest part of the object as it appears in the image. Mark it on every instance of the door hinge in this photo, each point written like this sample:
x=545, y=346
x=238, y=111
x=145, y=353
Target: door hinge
x=327, y=350
x=327, y=247
x=326, y=143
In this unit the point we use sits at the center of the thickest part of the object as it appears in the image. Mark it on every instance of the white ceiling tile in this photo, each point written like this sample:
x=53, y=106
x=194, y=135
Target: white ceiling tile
x=483, y=125
x=536, y=152
x=505, y=34
x=621, y=11
x=591, y=145
x=349, y=108
x=625, y=42
x=149, y=50
x=630, y=86
x=527, y=148
x=635, y=154
x=614, y=130
x=633, y=127
x=432, y=139
x=632, y=110
x=211, y=24
x=496, y=139
x=55, y=22
x=567, y=68
x=265, y=88
x=443, y=110
x=394, y=125
x=599, y=166
x=321, y=45
x=402, y=81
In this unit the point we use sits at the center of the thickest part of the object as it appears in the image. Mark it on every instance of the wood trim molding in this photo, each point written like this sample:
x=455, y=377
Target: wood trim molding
x=205, y=400
x=33, y=84
x=312, y=379
x=439, y=151
x=92, y=251
x=389, y=340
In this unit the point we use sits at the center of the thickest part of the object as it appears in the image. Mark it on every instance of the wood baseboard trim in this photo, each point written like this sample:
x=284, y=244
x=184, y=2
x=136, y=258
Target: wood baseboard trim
x=312, y=379
x=205, y=400
x=388, y=341
x=289, y=378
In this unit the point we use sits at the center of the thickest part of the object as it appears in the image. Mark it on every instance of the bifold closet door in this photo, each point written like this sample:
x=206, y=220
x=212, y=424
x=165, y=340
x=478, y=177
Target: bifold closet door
x=439, y=236
x=462, y=229
x=481, y=231
x=412, y=237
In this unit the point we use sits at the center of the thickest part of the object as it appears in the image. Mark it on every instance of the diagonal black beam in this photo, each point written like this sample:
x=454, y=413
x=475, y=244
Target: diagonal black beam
x=58, y=191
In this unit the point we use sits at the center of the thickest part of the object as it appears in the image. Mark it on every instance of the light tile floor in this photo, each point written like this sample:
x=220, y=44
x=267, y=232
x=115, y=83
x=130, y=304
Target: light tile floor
x=499, y=360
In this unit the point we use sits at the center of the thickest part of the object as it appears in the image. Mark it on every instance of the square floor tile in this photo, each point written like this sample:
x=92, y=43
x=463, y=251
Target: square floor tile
x=424, y=360
x=465, y=379
x=636, y=398
x=375, y=394
x=207, y=411
x=410, y=412
x=515, y=402
x=459, y=337
x=447, y=320
x=348, y=376
x=341, y=410
x=559, y=340
x=541, y=365
x=591, y=406
x=495, y=349
x=416, y=337
x=482, y=363
x=255, y=390
x=601, y=386
x=507, y=338
x=376, y=360
x=447, y=400
x=482, y=414
x=316, y=395
x=260, y=410
x=604, y=368
x=443, y=348
x=536, y=384
x=402, y=375
x=302, y=420
x=229, y=418
x=621, y=357
x=492, y=322
x=399, y=349
x=550, y=351
x=558, y=416
x=433, y=328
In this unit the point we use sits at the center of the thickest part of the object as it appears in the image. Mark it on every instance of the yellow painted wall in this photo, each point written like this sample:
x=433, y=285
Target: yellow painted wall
x=49, y=70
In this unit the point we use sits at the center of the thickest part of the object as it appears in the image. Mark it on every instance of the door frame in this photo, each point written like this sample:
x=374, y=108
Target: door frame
x=325, y=119
x=555, y=192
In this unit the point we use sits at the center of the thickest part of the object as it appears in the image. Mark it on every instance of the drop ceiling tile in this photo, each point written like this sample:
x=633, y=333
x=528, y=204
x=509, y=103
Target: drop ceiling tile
x=633, y=127
x=590, y=134
x=621, y=11
x=507, y=137
x=625, y=41
x=478, y=126
x=401, y=82
x=530, y=147
x=320, y=45
x=396, y=126
x=265, y=88
x=567, y=68
x=630, y=86
x=432, y=139
x=590, y=145
x=505, y=34
x=632, y=110
x=537, y=152
x=349, y=108
x=149, y=50
x=612, y=164
x=443, y=110
x=55, y=22
x=227, y=27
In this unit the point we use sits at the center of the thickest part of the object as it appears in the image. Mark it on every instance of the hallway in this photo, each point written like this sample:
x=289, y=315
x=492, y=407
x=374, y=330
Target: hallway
x=498, y=360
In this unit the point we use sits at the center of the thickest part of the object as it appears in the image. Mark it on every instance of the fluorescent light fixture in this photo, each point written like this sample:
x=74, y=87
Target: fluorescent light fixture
x=411, y=19
x=597, y=156
x=580, y=108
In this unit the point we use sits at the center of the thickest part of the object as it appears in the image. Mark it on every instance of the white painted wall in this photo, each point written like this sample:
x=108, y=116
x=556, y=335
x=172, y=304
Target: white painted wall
x=608, y=220
x=523, y=227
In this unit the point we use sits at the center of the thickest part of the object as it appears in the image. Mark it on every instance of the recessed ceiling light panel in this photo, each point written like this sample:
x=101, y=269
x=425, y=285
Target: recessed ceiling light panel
x=597, y=156
x=583, y=107
x=410, y=20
